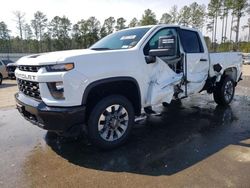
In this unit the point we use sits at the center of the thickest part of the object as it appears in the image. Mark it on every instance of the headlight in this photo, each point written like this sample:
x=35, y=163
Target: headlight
x=60, y=67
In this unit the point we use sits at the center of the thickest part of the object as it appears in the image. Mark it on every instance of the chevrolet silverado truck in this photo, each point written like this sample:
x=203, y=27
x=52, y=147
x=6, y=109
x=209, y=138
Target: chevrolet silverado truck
x=128, y=73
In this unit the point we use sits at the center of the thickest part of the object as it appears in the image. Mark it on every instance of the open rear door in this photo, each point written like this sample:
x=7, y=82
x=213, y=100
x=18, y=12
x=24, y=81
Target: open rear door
x=196, y=61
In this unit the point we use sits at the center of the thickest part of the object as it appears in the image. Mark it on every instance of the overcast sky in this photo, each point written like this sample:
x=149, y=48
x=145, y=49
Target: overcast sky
x=76, y=10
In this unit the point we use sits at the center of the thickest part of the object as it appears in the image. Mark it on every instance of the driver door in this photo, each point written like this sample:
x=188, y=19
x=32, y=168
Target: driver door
x=163, y=77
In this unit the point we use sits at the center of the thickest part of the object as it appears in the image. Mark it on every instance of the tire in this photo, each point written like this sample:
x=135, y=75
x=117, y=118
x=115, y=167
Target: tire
x=224, y=91
x=1, y=79
x=110, y=122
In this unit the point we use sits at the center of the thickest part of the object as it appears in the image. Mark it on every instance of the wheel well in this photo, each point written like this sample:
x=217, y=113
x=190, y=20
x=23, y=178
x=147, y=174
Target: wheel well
x=127, y=88
x=232, y=72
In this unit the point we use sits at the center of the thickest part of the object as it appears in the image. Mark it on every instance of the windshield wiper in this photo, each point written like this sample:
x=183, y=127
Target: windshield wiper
x=100, y=48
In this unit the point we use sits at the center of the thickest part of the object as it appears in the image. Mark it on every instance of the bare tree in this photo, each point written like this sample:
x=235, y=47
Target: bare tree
x=210, y=28
x=247, y=26
x=39, y=24
x=27, y=32
x=232, y=26
x=239, y=8
x=214, y=8
x=20, y=22
x=174, y=14
x=227, y=7
x=198, y=13
x=184, y=17
x=222, y=17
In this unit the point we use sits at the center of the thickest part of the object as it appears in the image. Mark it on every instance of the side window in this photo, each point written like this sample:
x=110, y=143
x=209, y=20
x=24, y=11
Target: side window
x=190, y=41
x=153, y=42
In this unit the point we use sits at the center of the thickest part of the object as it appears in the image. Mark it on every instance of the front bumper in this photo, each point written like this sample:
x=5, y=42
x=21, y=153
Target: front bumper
x=58, y=119
x=72, y=81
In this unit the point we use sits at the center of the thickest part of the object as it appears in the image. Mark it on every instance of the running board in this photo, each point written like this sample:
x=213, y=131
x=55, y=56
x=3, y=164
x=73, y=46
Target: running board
x=140, y=118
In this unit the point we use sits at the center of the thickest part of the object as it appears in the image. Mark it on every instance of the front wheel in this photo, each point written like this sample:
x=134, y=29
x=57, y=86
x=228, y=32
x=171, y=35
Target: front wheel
x=224, y=91
x=110, y=122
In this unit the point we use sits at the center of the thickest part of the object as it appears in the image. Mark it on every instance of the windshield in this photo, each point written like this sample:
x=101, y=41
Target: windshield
x=121, y=40
x=6, y=62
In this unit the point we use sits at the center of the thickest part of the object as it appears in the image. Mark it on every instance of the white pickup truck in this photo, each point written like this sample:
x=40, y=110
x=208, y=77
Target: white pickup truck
x=124, y=75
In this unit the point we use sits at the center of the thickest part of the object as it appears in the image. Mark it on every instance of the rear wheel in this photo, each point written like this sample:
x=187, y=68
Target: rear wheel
x=224, y=92
x=110, y=122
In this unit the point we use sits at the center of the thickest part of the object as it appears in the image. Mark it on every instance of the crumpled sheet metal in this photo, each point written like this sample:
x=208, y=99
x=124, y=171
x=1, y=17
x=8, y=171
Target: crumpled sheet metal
x=161, y=87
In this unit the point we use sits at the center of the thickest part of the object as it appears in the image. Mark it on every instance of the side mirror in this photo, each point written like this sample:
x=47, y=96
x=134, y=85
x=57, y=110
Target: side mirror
x=167, y=46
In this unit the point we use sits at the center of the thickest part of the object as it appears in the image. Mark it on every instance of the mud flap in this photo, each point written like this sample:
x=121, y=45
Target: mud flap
x=162, y=82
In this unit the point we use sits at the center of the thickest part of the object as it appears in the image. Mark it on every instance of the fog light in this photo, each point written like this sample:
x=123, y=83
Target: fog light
x=56, y=89
x=59, y=86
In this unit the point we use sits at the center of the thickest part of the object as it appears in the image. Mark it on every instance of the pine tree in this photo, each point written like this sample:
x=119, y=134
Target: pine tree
x=148, y=18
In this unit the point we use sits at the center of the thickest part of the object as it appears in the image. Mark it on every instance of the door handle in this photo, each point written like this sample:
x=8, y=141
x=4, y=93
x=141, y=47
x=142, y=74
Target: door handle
x=203, y=59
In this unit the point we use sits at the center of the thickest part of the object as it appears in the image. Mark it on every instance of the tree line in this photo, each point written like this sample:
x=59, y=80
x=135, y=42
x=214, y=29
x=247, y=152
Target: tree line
x=43, y=35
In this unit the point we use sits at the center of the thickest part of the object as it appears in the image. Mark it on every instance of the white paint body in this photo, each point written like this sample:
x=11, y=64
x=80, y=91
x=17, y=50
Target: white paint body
x=156, y=80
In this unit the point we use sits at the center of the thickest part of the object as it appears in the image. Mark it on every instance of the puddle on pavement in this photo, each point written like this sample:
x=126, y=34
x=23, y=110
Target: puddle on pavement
x=184, y=135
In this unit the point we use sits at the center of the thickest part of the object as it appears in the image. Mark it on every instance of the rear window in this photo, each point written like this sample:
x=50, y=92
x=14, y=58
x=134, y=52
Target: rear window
x=191, y=41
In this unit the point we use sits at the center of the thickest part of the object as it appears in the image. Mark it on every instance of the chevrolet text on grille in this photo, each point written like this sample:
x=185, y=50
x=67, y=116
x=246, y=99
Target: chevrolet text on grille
x=24, y=76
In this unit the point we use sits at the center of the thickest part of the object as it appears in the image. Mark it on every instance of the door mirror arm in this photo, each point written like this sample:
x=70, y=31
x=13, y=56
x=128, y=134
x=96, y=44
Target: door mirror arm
x=150, y=59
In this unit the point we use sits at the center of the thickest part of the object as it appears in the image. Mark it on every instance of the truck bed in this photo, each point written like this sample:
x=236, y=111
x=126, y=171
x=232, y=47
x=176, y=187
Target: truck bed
x=226, y=60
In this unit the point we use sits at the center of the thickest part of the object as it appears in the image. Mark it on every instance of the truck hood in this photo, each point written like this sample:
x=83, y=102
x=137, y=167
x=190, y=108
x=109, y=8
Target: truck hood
x=55, y=57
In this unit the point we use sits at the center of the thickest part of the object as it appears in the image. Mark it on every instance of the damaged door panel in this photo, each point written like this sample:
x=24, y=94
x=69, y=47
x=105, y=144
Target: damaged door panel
x=196, y=72
x=162, y=83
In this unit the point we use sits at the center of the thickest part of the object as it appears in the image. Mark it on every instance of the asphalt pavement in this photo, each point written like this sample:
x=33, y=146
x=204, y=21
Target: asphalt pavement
x=194, y=143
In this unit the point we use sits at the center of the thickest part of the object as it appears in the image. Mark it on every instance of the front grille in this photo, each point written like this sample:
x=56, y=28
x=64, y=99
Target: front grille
x=29, y=88
x=29, y=68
